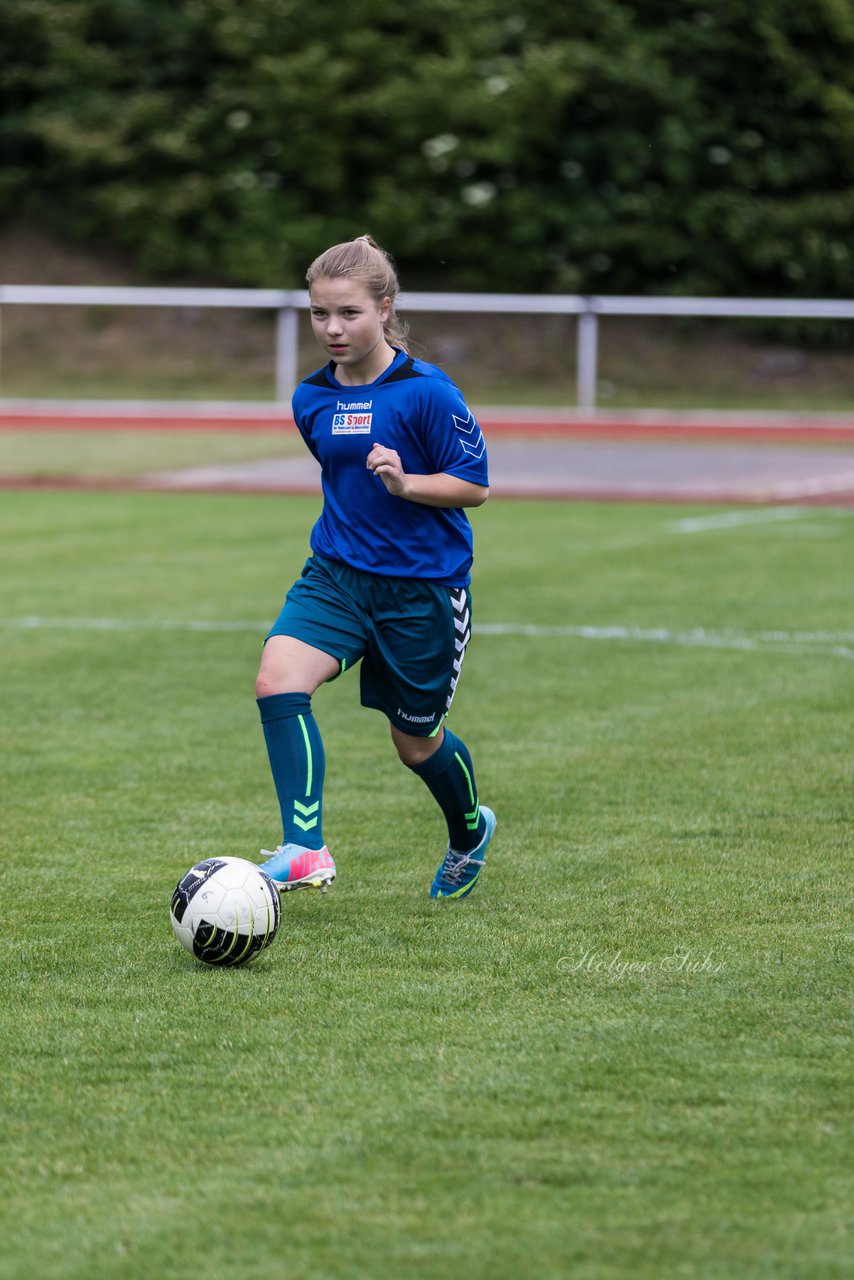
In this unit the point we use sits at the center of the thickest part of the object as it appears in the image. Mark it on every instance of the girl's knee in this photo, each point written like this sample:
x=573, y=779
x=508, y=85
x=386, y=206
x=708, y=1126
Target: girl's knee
x=412, y=750
x=290, y=666
x=264, y=686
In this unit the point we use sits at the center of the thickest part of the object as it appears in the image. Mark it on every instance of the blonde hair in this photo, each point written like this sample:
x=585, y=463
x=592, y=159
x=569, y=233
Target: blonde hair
x=363, y=259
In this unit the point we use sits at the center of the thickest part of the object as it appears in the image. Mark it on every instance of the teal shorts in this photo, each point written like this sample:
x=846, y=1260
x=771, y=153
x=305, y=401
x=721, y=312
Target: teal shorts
x=410, y=635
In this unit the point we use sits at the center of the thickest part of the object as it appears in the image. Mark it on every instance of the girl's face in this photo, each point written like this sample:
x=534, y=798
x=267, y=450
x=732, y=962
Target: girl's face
x=348, y=324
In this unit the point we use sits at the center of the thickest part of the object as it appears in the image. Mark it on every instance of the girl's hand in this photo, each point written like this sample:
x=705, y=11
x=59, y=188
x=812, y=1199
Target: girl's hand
x=439, y=490
x=386, y=464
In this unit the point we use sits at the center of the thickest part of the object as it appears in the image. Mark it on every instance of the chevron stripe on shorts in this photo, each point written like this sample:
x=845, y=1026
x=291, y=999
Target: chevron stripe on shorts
x=461, y=605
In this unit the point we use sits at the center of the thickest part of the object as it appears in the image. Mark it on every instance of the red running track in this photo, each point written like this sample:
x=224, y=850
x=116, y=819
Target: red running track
x=637, y=424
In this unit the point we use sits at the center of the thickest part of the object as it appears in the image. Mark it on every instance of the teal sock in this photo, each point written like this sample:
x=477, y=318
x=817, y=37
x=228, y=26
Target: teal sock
x=449, y=774
x=298, y=765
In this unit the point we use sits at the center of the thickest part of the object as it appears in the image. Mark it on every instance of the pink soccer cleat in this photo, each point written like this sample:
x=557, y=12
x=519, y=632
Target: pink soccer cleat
x=290, y=866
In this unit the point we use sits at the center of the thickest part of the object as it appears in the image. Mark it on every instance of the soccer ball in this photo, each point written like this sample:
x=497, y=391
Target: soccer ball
x=225, y=911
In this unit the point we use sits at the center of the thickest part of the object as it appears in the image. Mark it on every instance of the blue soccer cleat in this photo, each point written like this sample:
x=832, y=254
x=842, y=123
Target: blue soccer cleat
x=458, y=874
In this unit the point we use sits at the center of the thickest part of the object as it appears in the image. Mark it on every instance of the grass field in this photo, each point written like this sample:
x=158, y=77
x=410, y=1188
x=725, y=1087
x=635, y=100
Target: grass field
x=625, y=1057
x=100, y=454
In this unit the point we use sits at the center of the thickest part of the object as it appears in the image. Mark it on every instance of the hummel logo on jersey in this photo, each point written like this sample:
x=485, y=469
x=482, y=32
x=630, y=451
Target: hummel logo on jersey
x=351, y=418
x=475, y=445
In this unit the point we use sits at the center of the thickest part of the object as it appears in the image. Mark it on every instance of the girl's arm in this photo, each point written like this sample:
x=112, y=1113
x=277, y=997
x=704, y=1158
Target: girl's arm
x=438, y=490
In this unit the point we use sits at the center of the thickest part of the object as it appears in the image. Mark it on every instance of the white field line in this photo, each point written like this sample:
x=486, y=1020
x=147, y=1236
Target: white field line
x=837, y=643
x=736, y=519
x=840, y=644
x=34, y=622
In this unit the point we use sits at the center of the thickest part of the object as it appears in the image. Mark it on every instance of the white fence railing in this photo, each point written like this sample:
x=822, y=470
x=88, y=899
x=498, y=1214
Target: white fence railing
x=287, y=303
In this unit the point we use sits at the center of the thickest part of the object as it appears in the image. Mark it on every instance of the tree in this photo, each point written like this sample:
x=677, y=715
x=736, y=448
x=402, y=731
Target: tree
x=603, y=146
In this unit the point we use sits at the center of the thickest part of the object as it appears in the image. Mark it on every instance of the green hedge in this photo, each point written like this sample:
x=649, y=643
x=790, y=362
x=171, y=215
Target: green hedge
x=689, y=146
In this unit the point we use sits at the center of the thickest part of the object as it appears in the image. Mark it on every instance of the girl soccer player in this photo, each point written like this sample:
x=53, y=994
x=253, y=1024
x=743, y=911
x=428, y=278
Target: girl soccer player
x=401, y=456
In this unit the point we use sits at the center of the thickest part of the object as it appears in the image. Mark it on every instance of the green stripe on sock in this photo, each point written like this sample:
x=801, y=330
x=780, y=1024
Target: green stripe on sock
x=307, y=753
x=472, y=818
x=461, y=763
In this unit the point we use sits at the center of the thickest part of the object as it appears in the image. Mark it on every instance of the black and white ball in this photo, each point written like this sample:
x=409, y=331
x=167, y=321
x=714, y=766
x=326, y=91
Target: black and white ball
x=225, y=911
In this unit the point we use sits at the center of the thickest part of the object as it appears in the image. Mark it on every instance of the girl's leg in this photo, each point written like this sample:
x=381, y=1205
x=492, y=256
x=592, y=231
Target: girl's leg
x=445, y=765
x=289, y=674
x=291, y=666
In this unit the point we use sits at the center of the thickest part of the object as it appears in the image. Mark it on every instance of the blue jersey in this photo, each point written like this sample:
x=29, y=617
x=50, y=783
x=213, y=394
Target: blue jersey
x=414, y=408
